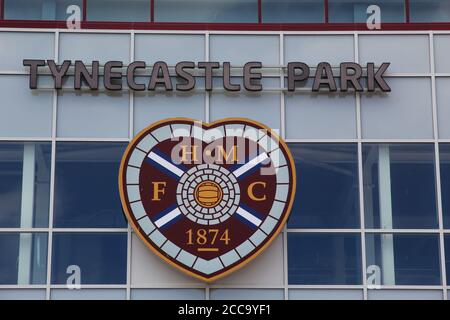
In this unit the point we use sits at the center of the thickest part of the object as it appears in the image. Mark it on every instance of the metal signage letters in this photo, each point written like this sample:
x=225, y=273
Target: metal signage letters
x=350, y=74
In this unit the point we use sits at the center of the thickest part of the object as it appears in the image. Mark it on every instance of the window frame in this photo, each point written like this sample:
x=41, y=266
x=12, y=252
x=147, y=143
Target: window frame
x=353, y=222
x=259, y=26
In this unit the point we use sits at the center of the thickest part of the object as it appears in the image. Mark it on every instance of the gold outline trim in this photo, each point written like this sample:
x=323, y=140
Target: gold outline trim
x=211, y=124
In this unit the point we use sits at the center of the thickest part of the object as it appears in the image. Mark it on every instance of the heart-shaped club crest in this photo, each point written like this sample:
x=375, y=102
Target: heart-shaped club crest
x=207, y=198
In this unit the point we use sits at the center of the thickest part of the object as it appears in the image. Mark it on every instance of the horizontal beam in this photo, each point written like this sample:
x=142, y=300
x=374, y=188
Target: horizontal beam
x=47, y=24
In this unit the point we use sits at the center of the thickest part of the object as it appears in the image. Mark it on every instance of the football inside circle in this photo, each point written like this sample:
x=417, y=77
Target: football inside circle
x=208, y=194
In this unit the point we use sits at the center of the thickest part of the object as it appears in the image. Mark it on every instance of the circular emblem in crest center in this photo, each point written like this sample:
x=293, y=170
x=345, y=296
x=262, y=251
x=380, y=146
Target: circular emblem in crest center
x=207, y=198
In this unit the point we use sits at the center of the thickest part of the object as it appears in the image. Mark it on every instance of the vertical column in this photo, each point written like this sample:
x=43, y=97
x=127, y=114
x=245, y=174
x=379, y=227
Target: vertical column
x=385, y=199
x=360, y=175
x=284, y=234
x=84, y=10
x=28, y=174
x=131, y=92
x=152, y=10
x=438, y=166
x=131, y=135
x=371, y=158
x=207, y=93
x=259, y=11
x=2, y=9
x=207, y=119
x=26, y=214
x=282, y=91
x=52, y=175
x=407, y=12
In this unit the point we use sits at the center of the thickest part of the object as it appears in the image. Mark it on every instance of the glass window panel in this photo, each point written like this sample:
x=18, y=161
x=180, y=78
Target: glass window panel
x=325, y=294
x=88, y=294
x=100, y=257
x=24, y=184
x=17, y=46
x=399, y=186
x=237, y=11
x=39, y=9
x=355, y=11
x=150, y=107
x=171, y=48
x=118, y=10
x=86, y=191
x=379, y=48
x=305, y=114
x=315, y=48
x=79, y=46
x=324, y=259
x=327, y=186
x=26, y=113
x=263, y=48
x=293, y=11
x=22, y=294
x=441, y=50
x=443, y=106
x=404, y=113
x=149, y=270
x=429, y=10
x=267, y=270
x=168, y=294
x=246, y=294
x=404, y=294
x=403, y=259
x=90, y=109
x=260, y=106
x=445, y=182
x=23, y=258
